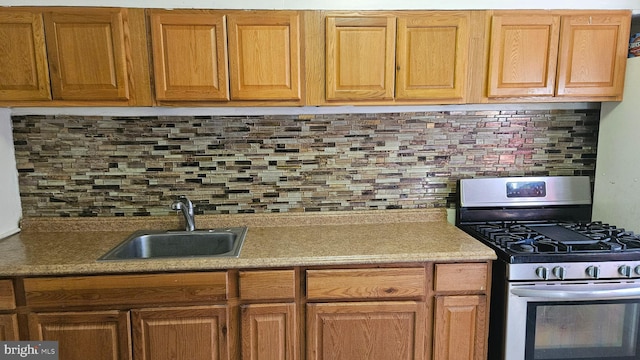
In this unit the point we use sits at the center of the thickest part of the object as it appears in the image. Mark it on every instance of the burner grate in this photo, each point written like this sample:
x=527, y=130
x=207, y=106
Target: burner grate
x=557, y=237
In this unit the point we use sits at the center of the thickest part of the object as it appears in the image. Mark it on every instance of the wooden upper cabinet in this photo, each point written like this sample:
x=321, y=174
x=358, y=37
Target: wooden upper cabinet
x=189, y=55
x=360, y=57
x=432, y=56
x=24, y=74
x=564, y=54
x=523, y=54
x=73, y=56
x=593, y=52
x=87, y=54
x=397, y=57
x=265, y=55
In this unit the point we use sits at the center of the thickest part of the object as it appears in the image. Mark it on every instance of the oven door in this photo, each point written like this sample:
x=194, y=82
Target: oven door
x=580, y=321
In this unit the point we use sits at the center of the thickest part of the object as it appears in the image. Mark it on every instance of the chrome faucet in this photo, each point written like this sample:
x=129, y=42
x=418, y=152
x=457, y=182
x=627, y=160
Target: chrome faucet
x=186, y=206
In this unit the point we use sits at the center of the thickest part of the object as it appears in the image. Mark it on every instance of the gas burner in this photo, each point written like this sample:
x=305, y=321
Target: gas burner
x=552, y=237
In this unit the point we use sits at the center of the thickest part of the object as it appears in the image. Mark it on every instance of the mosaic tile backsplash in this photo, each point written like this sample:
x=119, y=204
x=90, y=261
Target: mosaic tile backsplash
x=135, y=166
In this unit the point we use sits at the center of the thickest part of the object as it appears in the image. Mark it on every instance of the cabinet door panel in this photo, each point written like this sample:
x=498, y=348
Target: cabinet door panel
x=366, y=331
x=264, y=55
x=99, y=335
x=190, y=55
x=269, y=332
x=23, y=59
x=360, y=58
x=432, y=56
x=460, y=326
x=87, y=54
x=194, y=333
x=7, y=295
x=593, y=55
x=8, y=328
x=523, y=55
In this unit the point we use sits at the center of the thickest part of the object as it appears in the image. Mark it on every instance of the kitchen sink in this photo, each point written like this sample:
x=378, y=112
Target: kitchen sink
x=151, y=244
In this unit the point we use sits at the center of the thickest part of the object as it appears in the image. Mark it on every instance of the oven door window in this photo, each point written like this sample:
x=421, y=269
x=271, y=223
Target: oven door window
x=583, y=330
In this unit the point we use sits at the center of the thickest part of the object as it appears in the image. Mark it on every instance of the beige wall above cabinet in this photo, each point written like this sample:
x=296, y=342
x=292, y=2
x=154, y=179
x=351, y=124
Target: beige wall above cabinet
x=91, y=56
x=557, y=56
x=215, y=56
x=399, y=57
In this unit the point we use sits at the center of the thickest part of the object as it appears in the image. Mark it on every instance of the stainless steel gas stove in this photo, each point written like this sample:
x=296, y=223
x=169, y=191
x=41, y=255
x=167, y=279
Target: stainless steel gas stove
x=560, y=277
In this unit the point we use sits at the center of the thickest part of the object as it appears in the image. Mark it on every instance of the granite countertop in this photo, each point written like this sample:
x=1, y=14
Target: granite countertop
x=57, y=246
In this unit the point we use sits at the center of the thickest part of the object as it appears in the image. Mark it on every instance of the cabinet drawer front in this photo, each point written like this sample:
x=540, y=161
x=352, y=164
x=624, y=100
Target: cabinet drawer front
x=389, y=283
x=7, y=298
x=461, y=277
x=265, y=285
x=126, y=289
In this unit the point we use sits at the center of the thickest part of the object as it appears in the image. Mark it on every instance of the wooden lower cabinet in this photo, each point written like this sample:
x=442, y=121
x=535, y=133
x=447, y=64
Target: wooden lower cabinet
x=269, y=332
x=96, y=335
x=393, y=311
x=367, y=331
x=459, y=327
x=189, y=333
x=8, y=327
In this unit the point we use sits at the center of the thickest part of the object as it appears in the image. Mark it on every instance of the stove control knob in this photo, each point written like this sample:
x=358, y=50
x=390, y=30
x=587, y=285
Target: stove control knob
x=593, y=272
x=543, y=273
x=637, y=270
x=559, y=272
x=625, y=270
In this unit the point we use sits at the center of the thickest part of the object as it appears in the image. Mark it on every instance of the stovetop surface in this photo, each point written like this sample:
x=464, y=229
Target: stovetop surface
x=540, y=220
x=555, y=241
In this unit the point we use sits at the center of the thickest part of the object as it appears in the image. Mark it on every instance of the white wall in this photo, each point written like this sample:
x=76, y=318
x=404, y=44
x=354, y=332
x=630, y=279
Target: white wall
x=10, y=208
x=342, y=4
x=617, y=189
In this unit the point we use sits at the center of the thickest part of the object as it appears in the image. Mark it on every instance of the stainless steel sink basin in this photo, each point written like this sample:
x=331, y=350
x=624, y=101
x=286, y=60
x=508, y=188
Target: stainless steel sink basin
x=225, y=242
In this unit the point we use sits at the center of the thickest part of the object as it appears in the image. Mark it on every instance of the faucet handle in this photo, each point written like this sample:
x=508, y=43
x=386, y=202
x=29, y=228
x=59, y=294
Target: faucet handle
x=181, y=202
x=186, y=206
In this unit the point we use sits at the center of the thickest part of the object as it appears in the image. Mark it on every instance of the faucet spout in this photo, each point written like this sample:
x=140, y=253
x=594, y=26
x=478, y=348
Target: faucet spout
x=186, y=207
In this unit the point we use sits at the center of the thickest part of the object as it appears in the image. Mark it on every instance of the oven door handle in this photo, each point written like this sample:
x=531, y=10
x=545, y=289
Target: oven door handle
x=579, y=293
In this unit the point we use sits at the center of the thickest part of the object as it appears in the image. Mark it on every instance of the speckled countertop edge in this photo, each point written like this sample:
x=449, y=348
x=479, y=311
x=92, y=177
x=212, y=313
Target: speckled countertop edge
x=57, y=246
